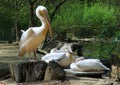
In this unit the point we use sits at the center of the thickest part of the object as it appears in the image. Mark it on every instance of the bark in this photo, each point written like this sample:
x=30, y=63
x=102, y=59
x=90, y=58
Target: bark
x=32, y=3
x=28, y=71
x=115, y=67
x=16, y=21
x=4, y=71
x=54, y=71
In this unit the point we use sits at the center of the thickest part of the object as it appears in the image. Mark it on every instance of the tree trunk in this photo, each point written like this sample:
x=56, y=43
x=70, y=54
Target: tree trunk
x=31, y=16
x=16, y=21
x=57, y=7
x=54, y=71
x=28, y=71
x=31, y=3
x=115, y=67
x=4, y=71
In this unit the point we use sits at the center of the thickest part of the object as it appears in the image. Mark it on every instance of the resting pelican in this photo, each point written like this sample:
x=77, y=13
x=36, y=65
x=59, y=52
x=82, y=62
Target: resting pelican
x=62, y=57
x=82, y=64
x=34, y=36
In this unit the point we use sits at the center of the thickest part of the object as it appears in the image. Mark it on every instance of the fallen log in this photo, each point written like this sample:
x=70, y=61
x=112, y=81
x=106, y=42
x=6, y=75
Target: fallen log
x=28, y=71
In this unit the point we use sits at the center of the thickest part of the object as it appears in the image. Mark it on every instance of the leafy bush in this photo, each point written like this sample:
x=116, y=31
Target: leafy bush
x=101, y=17
x=68, y=15
x=97, y=20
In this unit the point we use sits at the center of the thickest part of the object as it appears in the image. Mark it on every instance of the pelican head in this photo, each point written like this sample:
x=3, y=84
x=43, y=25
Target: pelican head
x=40, y=10
x=42, y=14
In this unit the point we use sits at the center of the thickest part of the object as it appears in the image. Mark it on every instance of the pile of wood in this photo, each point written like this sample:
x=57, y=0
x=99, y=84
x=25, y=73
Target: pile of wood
x=115, y=67
x=36, y=70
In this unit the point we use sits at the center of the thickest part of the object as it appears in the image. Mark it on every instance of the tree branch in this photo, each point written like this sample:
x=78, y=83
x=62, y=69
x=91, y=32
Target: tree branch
x=57, y=7
x=32, y=2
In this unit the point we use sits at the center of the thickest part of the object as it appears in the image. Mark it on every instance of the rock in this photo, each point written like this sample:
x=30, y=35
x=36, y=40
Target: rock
x=28, y=71
x=54, y=71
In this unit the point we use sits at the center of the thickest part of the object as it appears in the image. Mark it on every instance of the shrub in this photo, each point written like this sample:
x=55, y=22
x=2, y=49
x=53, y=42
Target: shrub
x=97, y=20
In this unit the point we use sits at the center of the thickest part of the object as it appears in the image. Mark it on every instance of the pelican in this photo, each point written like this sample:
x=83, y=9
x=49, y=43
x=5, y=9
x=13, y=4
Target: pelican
x=61, y=57
x=82, y=64
x=55, y=50
x=75, y=49
x=66, y=47
x=34, y=36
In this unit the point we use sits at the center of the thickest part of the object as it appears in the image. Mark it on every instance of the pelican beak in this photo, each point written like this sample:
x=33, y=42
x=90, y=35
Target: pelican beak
x=70, y=50
x=45, y=15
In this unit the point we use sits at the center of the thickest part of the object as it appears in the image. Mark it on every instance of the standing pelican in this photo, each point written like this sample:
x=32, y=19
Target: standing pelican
x=34, y=36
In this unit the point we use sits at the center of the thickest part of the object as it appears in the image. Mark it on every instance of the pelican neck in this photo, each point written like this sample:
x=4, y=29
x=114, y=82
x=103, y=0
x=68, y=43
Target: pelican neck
x=43, y=21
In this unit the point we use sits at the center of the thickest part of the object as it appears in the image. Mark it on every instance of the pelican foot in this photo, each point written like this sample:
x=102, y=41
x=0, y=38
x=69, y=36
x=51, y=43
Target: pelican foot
x=33, y=60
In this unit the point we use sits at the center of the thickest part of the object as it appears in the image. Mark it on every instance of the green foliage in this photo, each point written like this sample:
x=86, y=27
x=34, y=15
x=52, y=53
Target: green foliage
x=69, y=15
x=94, y=20
x=6, y=21
x=90, y=18
x=99, y=14
x=99, y=19
x=100, y=49
x=24, y=18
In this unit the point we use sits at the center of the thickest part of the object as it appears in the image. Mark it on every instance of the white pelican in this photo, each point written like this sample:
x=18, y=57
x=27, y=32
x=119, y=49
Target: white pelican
x=82, y=64
x=76, y=49
x=62, y=57
x=34, y=36
x=66, y=47
x=55, y=50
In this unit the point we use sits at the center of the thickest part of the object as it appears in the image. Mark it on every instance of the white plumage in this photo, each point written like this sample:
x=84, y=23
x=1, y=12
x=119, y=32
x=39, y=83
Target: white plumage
x=34, y=36
x=67, y=47
x=88, y=65
x=61, y=57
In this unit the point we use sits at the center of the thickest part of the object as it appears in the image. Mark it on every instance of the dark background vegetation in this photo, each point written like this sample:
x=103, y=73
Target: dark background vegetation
x=99, y=19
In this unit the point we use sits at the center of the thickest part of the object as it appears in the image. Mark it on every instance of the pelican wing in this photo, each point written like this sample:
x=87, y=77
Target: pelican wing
x=74, y=67
x=53, y=56
x=91, y=64
x=86, y=64
x=26, y=35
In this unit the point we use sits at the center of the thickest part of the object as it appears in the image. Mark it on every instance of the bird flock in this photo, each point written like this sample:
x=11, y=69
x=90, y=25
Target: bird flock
x=32, y=38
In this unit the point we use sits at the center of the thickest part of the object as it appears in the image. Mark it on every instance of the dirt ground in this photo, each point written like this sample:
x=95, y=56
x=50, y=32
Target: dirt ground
x=8, y=53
